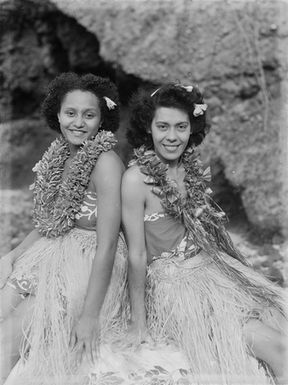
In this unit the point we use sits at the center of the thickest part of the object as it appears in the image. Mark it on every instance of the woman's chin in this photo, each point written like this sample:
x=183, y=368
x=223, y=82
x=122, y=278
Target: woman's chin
x=170, y=157
x=77, y=141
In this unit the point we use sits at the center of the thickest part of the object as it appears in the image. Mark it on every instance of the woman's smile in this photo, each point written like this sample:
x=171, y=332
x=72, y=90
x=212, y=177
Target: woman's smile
x=171, y=147
x=170, y=131
x=79, y=117
x=76, y=131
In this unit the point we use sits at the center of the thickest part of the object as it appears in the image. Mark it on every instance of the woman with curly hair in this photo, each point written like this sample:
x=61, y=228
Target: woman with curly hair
x=54, y=284
x=188, y=284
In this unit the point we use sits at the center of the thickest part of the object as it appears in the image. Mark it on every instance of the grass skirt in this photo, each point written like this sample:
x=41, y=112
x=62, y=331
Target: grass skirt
x=59, y=270
x=194, y=304
x=195, y=311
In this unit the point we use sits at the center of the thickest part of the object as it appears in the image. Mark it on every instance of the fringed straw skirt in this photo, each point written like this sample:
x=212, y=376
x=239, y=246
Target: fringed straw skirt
x=194, y=304
x=56, y=271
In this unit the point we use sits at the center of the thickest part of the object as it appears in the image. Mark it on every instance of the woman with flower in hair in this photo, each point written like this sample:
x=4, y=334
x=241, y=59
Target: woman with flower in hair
x=188, y=284
x=54, y=305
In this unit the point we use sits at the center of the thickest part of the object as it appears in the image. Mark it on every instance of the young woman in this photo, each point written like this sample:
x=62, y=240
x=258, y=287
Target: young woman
x=55, y=282
x=188, y=284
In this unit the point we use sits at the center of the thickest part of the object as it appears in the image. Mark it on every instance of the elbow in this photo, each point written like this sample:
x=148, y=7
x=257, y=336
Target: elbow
x=137, y=258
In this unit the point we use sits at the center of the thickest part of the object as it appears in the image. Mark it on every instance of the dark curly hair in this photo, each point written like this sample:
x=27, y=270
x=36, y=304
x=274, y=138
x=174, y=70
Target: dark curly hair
x=143, y=107
x=70, y=81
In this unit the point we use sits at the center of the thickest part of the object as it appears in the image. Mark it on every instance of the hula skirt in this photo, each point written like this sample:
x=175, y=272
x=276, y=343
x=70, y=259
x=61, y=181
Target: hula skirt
x=56, y=271
x=193, y=303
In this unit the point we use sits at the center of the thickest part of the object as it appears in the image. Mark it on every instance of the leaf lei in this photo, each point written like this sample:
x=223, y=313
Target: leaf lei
x=57, y=201
x=202, y=217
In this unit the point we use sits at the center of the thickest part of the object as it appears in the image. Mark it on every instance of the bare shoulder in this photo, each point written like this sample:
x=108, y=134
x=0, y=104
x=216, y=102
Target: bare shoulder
x=109, y=160
x=108, y=170
x=133, y=177
x=133, y=187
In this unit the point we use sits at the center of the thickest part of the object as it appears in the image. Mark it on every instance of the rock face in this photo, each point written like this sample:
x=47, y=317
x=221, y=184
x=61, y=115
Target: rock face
x=37, y=43
x=234, y=51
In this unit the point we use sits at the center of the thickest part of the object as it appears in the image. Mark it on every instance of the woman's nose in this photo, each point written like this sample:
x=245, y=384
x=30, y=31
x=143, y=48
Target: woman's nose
x=78, y=122
x=171, y=135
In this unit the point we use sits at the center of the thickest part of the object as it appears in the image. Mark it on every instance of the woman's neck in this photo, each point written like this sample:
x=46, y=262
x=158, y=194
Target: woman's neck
x=177, y=174
x=73, y=150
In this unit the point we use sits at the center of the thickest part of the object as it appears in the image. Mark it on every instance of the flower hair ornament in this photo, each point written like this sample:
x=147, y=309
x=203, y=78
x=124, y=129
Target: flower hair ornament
x=109, y=103
x=187, y=88
x=199, y=109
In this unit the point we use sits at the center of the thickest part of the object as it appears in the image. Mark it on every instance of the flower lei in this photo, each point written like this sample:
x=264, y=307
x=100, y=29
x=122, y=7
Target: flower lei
x=201, y=216
x=57, y=201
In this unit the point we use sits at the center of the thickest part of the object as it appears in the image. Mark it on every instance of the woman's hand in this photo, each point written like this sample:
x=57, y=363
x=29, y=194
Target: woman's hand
x=6, y=267
x=85, y=338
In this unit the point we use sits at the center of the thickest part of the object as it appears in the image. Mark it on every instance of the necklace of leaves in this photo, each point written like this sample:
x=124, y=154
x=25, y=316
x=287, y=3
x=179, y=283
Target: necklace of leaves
x=201, y=216
x=57, y=200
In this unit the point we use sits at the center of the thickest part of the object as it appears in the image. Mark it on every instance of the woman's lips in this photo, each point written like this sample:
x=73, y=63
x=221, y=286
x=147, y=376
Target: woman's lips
x=171, y=147
x=77, y=132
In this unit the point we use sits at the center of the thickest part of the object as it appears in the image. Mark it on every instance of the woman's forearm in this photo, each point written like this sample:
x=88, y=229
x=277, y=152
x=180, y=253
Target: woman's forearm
x=27, y=242
x=99, y=280
x=137, y=282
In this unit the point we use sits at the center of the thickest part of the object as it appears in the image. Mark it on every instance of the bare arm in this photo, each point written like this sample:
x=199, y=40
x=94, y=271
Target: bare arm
x=133, y=204
x=106, y=178
x=27, y=242
x=6, y=262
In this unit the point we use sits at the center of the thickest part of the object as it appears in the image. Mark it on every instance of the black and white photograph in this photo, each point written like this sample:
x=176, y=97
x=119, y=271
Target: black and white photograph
x=143, y=192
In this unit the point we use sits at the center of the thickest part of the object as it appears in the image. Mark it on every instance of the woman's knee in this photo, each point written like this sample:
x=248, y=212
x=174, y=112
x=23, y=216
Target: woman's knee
x=9, y=300
x=264, y=341
x=11, y=328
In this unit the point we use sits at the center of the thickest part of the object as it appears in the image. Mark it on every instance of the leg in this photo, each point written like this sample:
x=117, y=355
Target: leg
x=9, y=300
x=11, y=335
x=269, y=345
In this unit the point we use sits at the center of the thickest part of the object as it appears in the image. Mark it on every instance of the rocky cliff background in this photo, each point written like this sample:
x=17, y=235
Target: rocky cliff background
x=235, y=51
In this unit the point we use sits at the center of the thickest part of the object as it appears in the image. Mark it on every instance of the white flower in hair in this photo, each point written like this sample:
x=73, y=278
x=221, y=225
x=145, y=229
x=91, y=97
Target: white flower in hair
x=199, y=109
x=187, y=88
x=109, y=103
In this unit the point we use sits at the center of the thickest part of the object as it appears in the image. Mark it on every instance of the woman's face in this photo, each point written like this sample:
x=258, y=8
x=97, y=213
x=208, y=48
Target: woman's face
x=79, y=116
x=170, y=130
